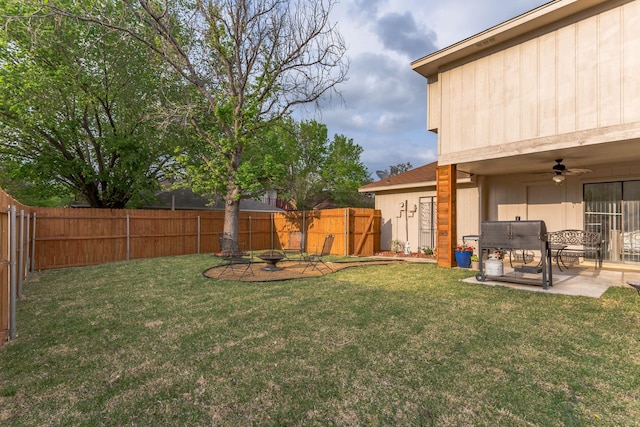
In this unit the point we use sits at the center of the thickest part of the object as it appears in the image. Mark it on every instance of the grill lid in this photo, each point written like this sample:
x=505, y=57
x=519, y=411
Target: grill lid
x=513, y=234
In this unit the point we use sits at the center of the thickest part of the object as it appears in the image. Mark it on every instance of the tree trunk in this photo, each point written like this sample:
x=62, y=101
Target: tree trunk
x=230, y=232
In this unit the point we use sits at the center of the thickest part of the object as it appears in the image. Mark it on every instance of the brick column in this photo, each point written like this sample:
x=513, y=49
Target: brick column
x=447, y=230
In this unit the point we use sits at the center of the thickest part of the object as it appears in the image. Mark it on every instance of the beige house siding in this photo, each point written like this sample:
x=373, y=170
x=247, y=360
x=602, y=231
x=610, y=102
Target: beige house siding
x=394, y=224
x=533, y=196
x=394, y=220
x=468, y=213
x=579, y=79
x=433, y=105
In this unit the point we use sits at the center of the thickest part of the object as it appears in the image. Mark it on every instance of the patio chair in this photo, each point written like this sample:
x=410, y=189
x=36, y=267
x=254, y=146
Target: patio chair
x=237, y=264
x=315, y=261
x=295, y=246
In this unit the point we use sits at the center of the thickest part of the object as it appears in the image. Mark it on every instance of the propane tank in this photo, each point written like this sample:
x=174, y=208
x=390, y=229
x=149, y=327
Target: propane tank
x=494, y=266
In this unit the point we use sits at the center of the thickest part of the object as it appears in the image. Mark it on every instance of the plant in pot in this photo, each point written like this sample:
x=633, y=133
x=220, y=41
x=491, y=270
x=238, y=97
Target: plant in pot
x=475, y=262
x=463, y=255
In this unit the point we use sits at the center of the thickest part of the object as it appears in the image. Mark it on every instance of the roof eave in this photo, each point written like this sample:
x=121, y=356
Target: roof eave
x=409, y=186
x=545, y=14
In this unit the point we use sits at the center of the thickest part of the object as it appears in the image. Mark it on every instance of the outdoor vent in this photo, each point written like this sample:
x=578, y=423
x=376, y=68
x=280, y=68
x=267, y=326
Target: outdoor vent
x=487, y=42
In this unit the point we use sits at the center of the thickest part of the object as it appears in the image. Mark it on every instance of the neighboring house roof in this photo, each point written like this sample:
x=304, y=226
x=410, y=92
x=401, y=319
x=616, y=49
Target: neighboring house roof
x=422, y=176
x=184, y=198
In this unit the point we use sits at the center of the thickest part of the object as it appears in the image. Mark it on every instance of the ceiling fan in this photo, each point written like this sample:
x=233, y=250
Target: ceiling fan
x=560, y=171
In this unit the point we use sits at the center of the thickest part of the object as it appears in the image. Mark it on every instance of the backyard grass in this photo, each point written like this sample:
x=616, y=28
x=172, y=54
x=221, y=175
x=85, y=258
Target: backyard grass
x=153, y=342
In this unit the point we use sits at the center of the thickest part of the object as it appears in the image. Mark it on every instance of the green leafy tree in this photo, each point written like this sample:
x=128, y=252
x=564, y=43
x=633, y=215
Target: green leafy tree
x=52, y=195
x=249, y=63
x=344, y=173
x=319, y=169
x=79, y=108
x=398, y=169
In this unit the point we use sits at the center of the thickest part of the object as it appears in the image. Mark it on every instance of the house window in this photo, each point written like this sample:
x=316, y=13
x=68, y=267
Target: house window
x=613, y=209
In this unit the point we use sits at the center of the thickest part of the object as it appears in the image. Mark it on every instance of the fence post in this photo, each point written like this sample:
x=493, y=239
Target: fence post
x=250, y=238
x=305, y=235
x=12, y=271
x=128, y=239
x=198, y=234
x=272, y=219
x=20, y=267
x=27, y=263
x=33, y=244
x=346, y=230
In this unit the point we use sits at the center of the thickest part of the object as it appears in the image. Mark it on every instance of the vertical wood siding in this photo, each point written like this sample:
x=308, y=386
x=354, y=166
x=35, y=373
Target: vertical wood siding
x=581, y=76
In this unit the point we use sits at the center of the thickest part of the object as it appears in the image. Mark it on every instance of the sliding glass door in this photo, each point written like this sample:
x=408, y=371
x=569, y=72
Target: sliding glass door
x=613, y=209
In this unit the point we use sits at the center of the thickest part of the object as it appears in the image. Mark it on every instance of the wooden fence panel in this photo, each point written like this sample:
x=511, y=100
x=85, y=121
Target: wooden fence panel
x=365, y=238
x=261, y=225
x=285, y=223
x=158, y=233
x=5, y=257
x=211, y=223
x=325, y=222
x=347, y=225
x=73, y=237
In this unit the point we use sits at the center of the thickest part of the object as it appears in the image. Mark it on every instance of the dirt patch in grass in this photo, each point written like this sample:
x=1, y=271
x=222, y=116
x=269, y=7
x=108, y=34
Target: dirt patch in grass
x=290, y=270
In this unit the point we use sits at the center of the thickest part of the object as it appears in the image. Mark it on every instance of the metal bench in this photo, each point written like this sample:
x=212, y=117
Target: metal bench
x=575, y=243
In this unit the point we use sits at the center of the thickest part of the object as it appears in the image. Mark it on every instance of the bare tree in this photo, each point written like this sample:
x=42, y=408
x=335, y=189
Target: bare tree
x=248, y=63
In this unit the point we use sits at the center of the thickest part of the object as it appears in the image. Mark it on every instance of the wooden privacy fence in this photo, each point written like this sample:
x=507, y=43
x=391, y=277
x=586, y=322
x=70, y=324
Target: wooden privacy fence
x=76, y=237
x=14, y=250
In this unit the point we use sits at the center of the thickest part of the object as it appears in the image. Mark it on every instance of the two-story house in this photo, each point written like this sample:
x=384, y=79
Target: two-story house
x=558, y=86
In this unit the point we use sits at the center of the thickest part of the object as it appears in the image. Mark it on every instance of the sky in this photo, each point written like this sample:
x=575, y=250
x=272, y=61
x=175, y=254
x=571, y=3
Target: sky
x=384, y=101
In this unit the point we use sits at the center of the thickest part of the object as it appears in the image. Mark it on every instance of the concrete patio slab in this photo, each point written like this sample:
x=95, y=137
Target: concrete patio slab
x=579, y=281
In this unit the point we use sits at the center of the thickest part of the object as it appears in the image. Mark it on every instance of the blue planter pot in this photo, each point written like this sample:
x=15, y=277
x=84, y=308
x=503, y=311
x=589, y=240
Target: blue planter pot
x=463, y=259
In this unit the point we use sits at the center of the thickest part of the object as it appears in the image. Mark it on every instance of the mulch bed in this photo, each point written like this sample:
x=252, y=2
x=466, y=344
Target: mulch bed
x=290, y=270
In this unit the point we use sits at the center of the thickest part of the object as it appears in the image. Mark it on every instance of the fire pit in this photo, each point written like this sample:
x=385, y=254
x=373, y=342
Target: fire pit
x=517, y=236
x=271, y=258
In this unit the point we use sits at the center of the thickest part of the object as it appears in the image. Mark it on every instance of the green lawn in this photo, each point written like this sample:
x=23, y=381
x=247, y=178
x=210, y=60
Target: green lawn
x=153, y=342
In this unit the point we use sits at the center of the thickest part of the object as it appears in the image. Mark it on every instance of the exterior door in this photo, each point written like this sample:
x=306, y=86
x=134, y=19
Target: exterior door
x=613, y=209
x=427, y=227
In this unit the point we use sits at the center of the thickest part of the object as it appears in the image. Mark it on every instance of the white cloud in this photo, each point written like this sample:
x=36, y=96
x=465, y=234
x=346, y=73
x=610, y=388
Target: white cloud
x=384, y=108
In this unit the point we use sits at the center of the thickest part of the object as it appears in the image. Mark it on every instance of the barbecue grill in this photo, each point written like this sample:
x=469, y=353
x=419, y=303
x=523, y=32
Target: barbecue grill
x=516, y=236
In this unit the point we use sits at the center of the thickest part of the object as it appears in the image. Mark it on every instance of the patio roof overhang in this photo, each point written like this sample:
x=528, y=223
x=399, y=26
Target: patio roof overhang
x=408, y=186
x=537, y=160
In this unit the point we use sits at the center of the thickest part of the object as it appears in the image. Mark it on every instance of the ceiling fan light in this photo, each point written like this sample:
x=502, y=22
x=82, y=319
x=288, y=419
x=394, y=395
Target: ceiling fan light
x=558, y=178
